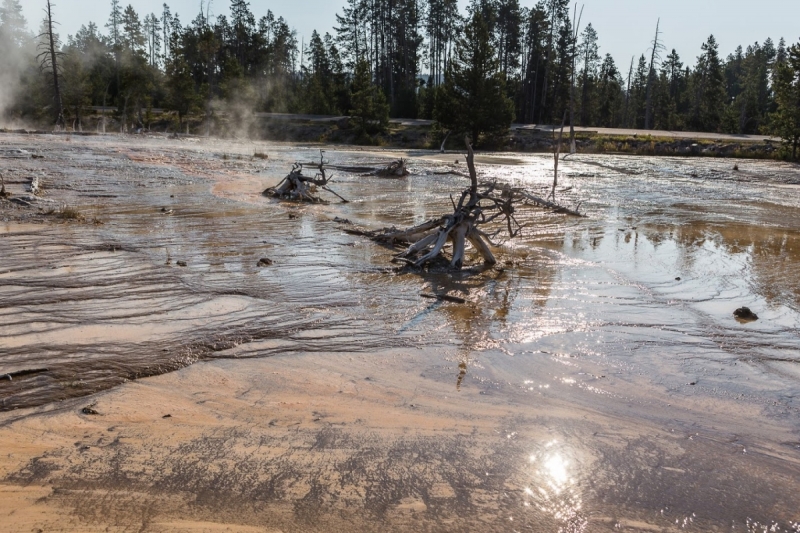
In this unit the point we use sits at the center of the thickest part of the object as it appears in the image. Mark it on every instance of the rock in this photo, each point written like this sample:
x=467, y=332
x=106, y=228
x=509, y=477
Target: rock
x=292, y=215
x=181, y=263
x=89, y=411
x=264, y=261
x=744, y=313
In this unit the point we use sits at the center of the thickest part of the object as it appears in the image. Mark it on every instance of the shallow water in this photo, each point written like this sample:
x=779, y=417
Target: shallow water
x=636, y=298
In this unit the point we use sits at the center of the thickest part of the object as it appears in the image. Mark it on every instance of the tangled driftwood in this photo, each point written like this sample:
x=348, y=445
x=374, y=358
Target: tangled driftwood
x=299, y=188
x=395, y=169
x=479, y=205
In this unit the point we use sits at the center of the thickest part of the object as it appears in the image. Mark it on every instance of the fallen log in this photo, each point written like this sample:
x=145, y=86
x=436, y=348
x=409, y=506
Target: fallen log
x=20, y=373
x=444, y=297
x=548, y=204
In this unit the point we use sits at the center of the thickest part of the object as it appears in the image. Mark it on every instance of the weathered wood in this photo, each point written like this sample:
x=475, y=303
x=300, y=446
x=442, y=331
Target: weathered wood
x=546, y=203
x=478, y=205
x=300, y=188
x=395, y=169
x=557, y=153
x=21, y=373
x=445, y=297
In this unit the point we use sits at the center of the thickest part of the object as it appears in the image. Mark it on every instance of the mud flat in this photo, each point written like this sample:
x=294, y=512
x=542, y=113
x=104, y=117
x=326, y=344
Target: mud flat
x=595, y=381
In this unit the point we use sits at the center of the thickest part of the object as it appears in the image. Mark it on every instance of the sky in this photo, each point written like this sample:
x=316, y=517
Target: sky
x=625, y=27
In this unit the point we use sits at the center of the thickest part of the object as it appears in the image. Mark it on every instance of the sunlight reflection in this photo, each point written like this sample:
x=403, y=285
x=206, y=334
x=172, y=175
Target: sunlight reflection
x=554, y=489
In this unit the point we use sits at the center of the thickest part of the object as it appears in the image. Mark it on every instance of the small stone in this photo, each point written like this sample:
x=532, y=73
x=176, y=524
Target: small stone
x=181, y=263
x=89, y=411
x=678, y=278
x=292, y=215
x=264, y=261
x=744, y=313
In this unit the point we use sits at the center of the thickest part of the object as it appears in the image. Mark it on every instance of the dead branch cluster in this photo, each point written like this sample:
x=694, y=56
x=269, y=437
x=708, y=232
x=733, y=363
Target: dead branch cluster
x=395, y=169
x=478, y=207
x=298, y=187
x=483, y=212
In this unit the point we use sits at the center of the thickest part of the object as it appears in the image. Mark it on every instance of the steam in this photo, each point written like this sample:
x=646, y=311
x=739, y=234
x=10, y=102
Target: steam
x=16, y=55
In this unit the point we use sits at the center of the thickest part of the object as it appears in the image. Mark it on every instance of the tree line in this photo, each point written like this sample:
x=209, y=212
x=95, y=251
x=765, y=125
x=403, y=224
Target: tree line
x=473, y=72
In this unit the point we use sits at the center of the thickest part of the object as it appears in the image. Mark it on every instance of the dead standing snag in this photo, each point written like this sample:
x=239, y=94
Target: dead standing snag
x=299, y=188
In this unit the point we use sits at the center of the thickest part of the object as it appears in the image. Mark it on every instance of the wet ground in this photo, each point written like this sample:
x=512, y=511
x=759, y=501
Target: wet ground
x=595, y=380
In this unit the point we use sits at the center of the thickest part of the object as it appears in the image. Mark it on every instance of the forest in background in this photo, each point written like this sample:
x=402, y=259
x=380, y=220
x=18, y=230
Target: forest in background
x=474, y=72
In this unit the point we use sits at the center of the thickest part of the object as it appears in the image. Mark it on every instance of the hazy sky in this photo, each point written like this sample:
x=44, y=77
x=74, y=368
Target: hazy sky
x=625, y=27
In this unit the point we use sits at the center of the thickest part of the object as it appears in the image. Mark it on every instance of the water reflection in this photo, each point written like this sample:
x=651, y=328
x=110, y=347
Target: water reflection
x=553, y=489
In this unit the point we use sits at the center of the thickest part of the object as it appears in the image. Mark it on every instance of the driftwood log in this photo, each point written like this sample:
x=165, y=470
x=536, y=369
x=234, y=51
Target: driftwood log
x=297, y=187
x=479, y=205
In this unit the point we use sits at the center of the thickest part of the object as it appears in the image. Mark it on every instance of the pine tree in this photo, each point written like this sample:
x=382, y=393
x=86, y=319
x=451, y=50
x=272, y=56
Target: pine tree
x=589, y=56
x=474, y=99
x=709, y=89
x=370, y=111
x=535, y=57
x=638, y=96
x=13, y=32
x=152, y=30
x=509, y=36
x=351, y=33
x=786, y=120
x=610, y=94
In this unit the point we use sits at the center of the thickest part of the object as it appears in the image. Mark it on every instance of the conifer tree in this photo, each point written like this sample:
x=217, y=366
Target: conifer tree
x=709, y=89
x=370, y=110
x=786, y=120
x=474, y=99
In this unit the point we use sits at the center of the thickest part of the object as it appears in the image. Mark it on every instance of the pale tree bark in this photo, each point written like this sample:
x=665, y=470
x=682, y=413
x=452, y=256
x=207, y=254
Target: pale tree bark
x=50, y=57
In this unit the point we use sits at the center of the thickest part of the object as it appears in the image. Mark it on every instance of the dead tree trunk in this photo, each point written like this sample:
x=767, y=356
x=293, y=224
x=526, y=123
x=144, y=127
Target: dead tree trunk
x=557, y=153
x=651, y=79
x=51, y=52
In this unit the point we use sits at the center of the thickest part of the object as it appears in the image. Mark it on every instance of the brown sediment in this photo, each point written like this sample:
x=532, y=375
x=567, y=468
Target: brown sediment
x=594, y=381
x=325, y=441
